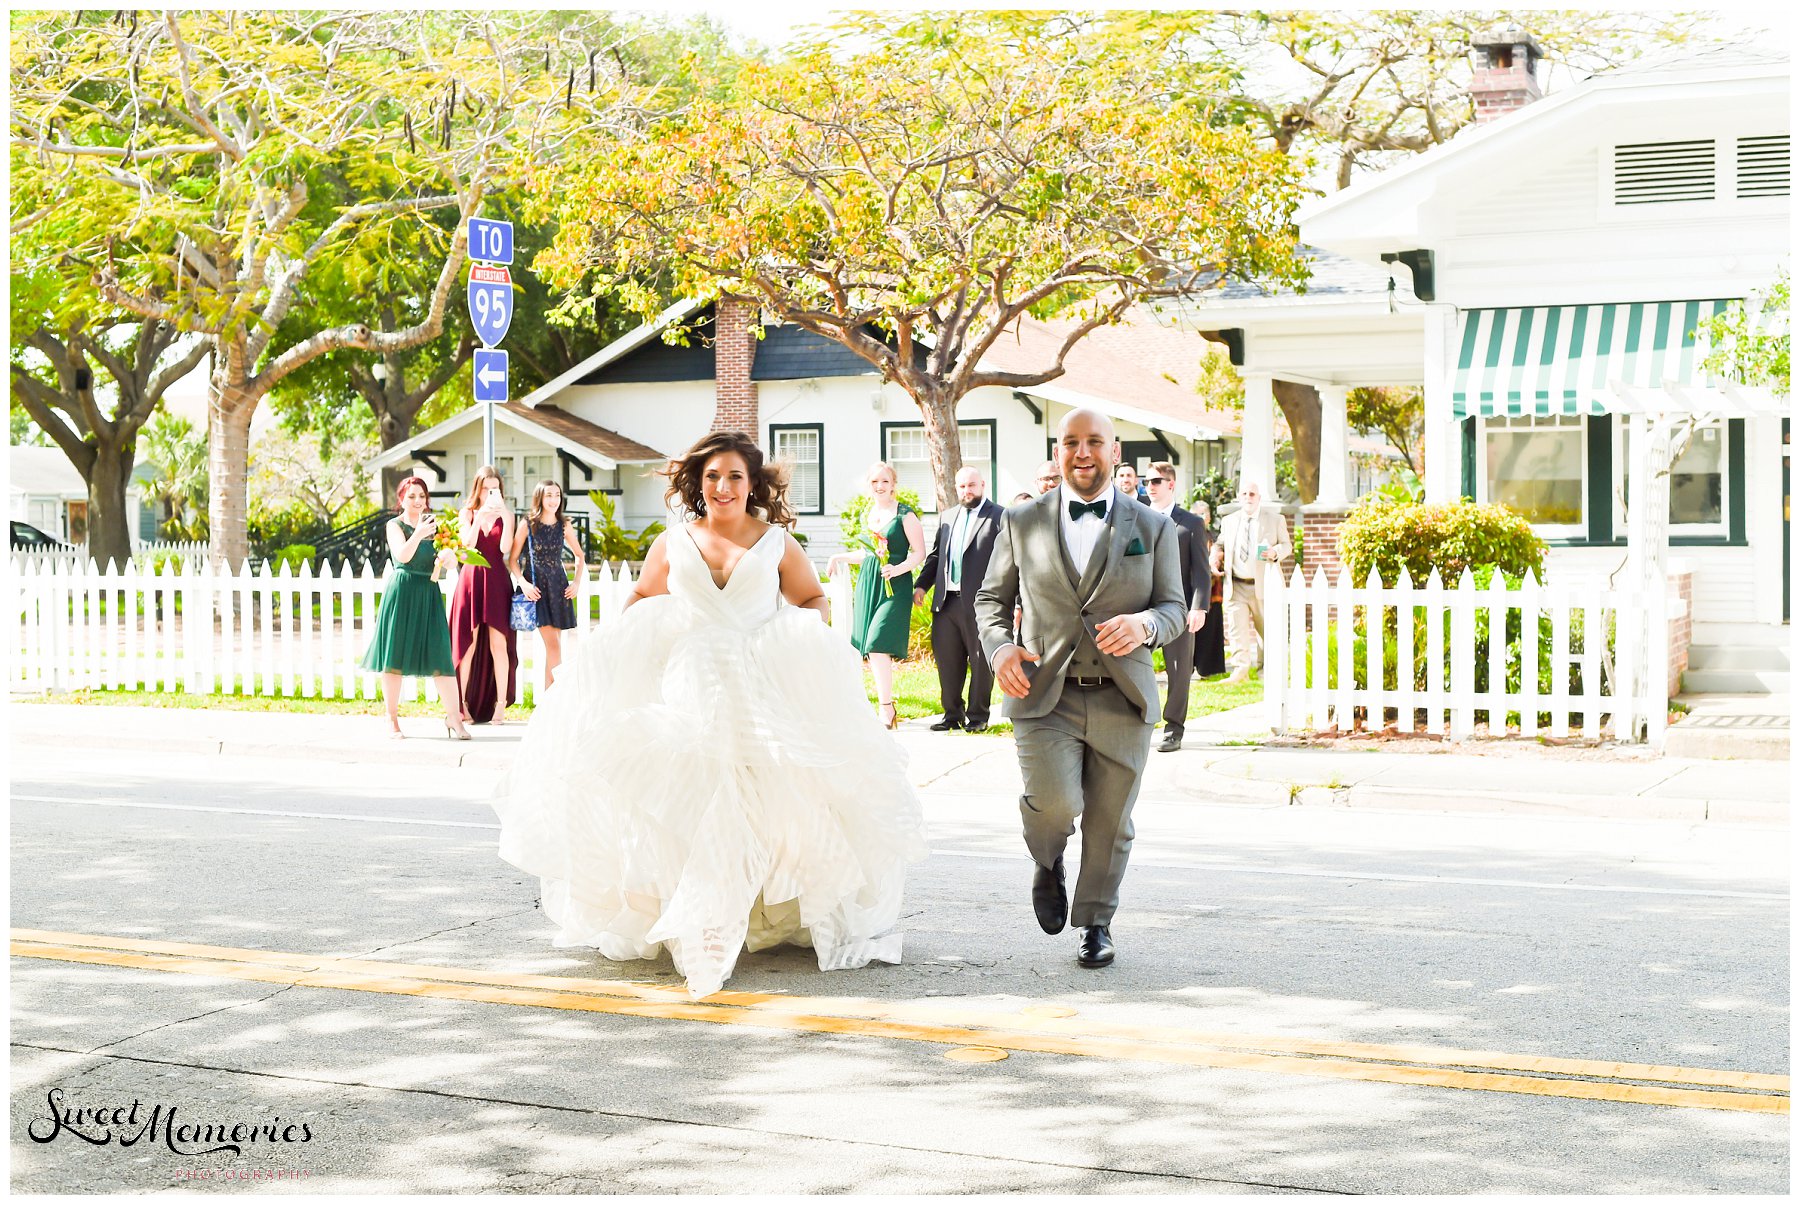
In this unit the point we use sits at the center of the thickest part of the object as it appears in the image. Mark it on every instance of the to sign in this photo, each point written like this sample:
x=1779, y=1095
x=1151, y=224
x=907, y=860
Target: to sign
x=490, y=302
x=490, y=376
x=490, y=241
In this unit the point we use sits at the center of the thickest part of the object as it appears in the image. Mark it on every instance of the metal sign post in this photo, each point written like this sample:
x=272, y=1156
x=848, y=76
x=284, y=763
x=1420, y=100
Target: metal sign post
x=491, y=311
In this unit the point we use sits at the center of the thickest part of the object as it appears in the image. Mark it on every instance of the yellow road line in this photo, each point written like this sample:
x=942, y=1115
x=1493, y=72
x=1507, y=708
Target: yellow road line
x=1341, y=1060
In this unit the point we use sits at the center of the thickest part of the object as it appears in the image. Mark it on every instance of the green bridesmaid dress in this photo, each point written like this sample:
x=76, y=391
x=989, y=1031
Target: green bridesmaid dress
x=883, y=624
x=412, y=633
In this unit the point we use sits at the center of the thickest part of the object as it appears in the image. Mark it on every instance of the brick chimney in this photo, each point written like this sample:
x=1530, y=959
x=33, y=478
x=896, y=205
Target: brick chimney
x=734, y=351
x=1506, y=73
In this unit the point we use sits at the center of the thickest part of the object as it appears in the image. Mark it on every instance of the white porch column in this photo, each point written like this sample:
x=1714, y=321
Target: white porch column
x=1257, y=460
x=1443, y=433
x=1334, y=448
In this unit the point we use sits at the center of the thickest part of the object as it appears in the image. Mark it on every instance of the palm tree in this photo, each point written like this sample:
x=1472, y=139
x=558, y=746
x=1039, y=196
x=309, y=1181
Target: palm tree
x=178, y=453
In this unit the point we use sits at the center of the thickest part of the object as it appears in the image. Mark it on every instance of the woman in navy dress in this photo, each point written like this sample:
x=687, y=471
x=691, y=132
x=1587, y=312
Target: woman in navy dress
x=546, y=532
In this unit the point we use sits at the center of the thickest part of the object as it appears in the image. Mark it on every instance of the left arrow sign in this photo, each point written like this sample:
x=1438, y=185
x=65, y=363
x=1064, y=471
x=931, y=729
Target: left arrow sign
x=490, y=375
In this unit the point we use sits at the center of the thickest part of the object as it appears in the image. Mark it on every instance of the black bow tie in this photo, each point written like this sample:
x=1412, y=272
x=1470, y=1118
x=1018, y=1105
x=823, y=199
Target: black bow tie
x=1096, y=509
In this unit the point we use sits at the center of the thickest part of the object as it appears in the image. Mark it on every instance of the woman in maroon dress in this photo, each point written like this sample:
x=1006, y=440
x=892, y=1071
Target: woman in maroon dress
x=481, y=635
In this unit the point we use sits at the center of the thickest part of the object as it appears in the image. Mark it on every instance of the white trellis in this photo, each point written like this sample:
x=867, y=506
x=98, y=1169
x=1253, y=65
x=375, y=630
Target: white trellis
x=1418, y=665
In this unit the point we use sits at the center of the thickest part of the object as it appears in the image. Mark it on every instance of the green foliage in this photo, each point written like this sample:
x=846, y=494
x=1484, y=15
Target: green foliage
x=1220, y=386
x=1382, y=536
x=612, y=542
x=294, y=556
x=1748, y=351
x=1395, y=412
x=850, y=519
x=1215, y=489
x=277, y=527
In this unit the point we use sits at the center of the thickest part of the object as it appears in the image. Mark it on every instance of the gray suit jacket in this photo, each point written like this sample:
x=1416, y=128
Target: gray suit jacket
x=1031, y=567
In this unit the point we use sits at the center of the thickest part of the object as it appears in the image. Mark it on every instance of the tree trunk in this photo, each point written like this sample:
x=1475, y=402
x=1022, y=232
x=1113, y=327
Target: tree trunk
x=228, y=458
x=1300, y=406
x=942, y=444
x=109, y=523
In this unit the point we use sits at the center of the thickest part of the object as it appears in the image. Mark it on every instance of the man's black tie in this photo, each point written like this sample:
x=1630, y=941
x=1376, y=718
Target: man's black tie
x=1096, y=509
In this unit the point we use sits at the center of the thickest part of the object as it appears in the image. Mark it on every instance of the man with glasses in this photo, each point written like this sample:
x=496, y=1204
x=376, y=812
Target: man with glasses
x=1196, y=587
x=1251, y=541
x=1049, y=476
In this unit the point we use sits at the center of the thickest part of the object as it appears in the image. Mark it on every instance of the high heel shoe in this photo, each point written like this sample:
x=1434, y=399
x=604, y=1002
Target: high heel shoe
x=394, y=733
x=893, y=717
x=458, y=733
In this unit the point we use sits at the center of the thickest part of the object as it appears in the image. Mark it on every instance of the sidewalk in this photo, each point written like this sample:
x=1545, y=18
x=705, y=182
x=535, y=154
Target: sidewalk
x=1216, y=765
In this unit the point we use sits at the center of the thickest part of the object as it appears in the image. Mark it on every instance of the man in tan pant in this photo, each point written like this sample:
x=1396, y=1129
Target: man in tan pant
x=1252, y=543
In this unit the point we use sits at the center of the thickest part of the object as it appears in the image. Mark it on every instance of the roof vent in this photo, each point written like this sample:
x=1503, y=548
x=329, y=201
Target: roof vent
x=1762, y=166
x=1650, y=173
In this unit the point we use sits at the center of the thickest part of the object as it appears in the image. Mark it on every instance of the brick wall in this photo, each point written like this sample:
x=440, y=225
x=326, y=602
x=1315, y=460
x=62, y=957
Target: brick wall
x=1681, y=627
x=734, y=351
x=1319, y=544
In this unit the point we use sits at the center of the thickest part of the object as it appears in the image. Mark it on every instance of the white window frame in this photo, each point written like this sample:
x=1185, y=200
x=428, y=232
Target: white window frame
x=1706, y=531
x=816, y=465
x=928, y=495
x=1551, y=531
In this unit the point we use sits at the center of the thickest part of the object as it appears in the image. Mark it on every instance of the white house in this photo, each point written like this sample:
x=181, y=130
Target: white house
x=616, y=418
x=46, y=491
x=1559, y=254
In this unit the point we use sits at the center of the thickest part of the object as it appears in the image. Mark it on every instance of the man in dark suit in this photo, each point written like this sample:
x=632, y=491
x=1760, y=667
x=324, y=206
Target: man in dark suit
x=952, y=572
x=1196, y=588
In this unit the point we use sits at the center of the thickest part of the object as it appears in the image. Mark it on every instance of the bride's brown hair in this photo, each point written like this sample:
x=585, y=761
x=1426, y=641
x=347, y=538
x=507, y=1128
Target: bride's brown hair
x=768, y=480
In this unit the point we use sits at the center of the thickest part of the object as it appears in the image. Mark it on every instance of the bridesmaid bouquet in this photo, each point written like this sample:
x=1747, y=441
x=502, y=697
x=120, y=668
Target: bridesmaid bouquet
x=449, y=539
x=877, y=547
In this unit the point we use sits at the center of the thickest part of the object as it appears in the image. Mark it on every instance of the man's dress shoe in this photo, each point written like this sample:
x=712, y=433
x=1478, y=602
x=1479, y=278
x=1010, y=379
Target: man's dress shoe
x=1170, y=743
x=1096, y=948
x=945, y=725
x=1050, y=898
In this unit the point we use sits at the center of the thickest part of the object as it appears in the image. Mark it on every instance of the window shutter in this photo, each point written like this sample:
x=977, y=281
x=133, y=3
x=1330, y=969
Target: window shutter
x=1762, y=166
x=1649, y=173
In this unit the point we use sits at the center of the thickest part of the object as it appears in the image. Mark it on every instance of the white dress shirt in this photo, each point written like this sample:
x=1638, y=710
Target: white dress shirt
x=1081, y=536
x=1164, y=510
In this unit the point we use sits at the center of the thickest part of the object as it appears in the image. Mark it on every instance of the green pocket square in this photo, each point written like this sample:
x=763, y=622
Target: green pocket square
x=1135, y=548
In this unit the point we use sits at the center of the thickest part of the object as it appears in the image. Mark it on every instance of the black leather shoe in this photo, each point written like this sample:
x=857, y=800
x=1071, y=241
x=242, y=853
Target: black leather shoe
x=975, y=727
x=1170, y=743
x=1050, y=898
x=1096, y=948
x=945, y=725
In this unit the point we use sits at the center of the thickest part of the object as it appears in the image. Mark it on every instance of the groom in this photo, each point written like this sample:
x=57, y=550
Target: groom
x=1099, y=577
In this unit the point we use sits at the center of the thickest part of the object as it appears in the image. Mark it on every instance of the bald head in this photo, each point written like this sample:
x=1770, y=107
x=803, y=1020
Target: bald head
x=1086, y=447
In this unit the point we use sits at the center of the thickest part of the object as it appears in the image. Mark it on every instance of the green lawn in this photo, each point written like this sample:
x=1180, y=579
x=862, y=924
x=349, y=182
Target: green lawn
x=916, y=693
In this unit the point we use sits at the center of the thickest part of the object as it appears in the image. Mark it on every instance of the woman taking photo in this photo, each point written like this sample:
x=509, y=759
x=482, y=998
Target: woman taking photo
x=882, y=612
x=481, y=634
x=411, y=635
x=539, y=571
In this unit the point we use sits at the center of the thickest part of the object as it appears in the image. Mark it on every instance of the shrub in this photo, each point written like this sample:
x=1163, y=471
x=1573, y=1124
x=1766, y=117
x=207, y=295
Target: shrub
x=1383, y=536
x=294, y=556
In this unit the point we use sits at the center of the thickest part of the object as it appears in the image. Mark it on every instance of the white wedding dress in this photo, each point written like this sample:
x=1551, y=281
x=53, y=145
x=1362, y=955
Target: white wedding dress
x=707, y=776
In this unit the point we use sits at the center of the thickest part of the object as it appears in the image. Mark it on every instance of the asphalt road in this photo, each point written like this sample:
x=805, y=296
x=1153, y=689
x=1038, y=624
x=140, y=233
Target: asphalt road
x=1298, y=1005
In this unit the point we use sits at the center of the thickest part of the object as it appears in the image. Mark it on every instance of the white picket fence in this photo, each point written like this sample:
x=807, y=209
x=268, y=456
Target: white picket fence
x=256, y=631
x=1317, y=680
x=143, y=554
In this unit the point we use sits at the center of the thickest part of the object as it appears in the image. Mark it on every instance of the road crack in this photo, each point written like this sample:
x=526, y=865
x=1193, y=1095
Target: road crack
x=197, y=1016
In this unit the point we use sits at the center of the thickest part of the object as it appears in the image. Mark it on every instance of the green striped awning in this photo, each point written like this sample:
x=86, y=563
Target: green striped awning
x=1565, y=359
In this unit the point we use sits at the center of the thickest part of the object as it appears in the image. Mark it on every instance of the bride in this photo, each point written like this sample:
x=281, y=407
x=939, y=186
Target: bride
x=706, y=775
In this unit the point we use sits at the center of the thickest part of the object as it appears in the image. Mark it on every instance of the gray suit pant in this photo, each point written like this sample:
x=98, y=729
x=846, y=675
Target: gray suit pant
x=1084, y=761
x=1178, y=662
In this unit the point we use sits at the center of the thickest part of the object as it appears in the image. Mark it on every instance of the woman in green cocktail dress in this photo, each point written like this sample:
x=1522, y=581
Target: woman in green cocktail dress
x=882, y=613
x=412, y=634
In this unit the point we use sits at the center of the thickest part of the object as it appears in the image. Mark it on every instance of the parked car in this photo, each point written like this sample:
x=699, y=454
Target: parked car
x=27, y=538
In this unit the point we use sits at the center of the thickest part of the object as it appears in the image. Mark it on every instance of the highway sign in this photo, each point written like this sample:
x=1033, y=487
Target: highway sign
x=490, y=302
x=490, y=376
x=490, y=241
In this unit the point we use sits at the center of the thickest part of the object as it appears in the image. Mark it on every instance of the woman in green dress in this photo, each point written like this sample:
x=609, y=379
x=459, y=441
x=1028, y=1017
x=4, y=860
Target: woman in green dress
x=882, y=622
x=412, y=634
